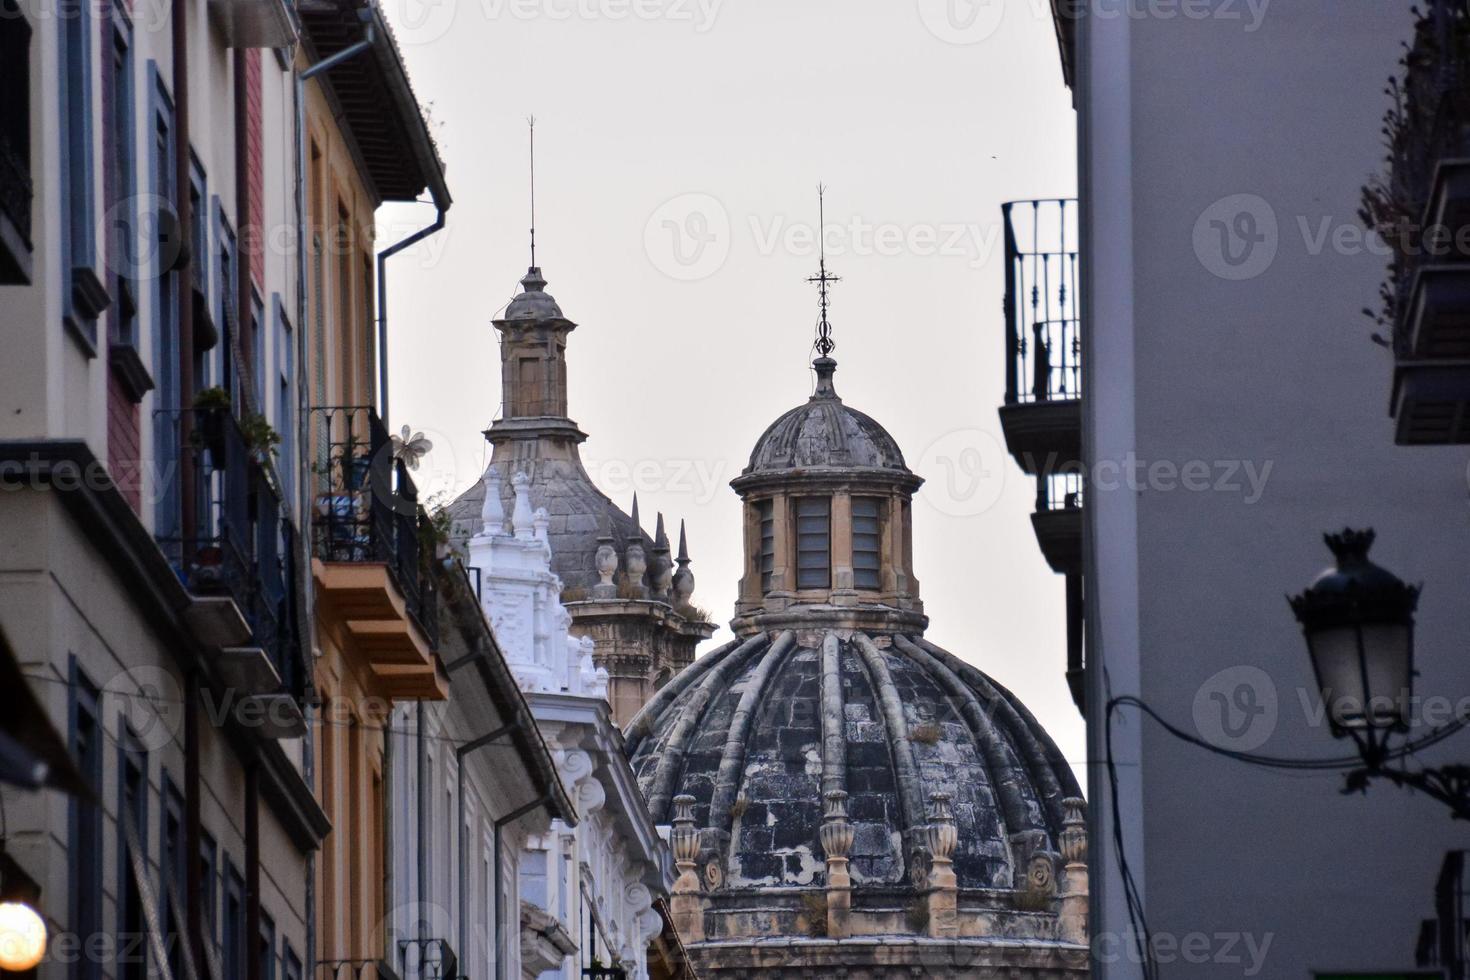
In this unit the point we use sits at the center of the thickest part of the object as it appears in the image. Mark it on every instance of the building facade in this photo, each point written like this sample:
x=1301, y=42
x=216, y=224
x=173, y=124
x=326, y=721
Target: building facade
x=625, y=589
x=151, y=580
x=847, y=799
x=1233, y=407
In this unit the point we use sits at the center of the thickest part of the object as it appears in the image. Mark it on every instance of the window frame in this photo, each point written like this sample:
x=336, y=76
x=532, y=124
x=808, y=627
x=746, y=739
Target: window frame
x=132, y=923
x=765, y=557
x=868, y=577
x=85, y=848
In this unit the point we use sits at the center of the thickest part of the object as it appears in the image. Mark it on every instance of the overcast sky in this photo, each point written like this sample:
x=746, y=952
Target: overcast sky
x=679, y=144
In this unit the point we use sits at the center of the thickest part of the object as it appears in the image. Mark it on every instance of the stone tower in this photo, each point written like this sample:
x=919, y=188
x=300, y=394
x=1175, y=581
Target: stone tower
x=620, y=585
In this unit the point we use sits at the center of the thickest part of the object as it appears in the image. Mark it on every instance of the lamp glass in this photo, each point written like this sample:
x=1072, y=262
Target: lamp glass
x=22, y=937
x=1387, y=656
x=1339, y=673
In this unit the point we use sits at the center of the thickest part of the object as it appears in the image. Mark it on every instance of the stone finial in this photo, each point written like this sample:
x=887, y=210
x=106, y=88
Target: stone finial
x=686, y=903
x=492, y=511
x=837, y=835
x=541, y=525
x=607, y=566
x=521, y=517
x=942, y=836
x=1073, y=840
x=683, y=578
x=635, y=566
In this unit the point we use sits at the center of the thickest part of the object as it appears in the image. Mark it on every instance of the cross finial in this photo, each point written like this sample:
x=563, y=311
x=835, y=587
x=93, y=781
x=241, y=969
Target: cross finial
x=531, y=124
x=824, y=344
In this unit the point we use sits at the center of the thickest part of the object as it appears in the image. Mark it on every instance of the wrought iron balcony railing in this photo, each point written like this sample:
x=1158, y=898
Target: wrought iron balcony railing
x=367, y=506
x=1043, y=335
x=1059, y=491
x=239, y=543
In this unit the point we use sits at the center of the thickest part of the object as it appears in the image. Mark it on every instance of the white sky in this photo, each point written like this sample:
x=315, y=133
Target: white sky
x=658, y=118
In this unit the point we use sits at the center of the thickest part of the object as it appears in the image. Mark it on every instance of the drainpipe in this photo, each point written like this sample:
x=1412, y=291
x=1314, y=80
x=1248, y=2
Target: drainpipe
x=464, y=860
x=422, y=806
x=383, y=258
x=510, y=817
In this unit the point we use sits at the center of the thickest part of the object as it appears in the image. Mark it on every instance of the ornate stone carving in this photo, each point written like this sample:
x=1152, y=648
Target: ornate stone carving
x=684, y=839
x=521, y=517
x=607, y=567
x=942, y=836
x=1074, y=905
x=1074, y=831
x=635, y=565
x=836, y=832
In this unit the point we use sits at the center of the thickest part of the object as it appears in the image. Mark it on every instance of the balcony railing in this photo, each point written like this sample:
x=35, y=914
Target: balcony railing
x=1444, y=941
x=367, y=506
x=1043, y=329
x=239, y=545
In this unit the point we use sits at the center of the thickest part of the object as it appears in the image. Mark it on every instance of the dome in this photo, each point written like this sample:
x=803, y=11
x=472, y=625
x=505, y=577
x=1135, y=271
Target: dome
x=762, y=731
x=533, y=302
x=825, y=434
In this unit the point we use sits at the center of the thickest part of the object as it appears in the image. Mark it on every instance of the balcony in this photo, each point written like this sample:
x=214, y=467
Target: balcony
x=1444, y=941
x=1042, y=417
x=1422, y=208
x=232, y=549
x=371, y=542
x=255, y=23
x=15, y=146
x=1058, y=520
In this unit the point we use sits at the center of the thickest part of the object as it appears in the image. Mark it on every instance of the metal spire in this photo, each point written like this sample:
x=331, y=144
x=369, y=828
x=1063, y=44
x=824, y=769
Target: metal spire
x=531, y=122
x=824, y=344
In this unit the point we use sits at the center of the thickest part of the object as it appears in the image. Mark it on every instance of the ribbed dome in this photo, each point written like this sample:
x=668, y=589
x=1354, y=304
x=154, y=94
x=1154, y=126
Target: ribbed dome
x=825, y=433
x=759, y=731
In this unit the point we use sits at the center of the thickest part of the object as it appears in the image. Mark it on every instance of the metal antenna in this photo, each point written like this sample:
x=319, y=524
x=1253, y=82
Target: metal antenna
x=824, y=344
x=532, y=123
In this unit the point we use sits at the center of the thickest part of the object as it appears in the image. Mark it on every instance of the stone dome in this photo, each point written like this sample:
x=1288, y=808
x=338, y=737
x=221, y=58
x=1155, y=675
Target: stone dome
x=825, y=434
x=533, y=302
x=759, y=732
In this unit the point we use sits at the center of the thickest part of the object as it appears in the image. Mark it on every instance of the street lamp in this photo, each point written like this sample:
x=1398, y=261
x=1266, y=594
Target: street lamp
x=1358, y=620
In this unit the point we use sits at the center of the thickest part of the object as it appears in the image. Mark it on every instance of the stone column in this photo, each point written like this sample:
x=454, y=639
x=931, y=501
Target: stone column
x=843, y=592
x=686, y=903
x=837, y=836
x=1073, y=922
x=942, y=836
x=783, y=574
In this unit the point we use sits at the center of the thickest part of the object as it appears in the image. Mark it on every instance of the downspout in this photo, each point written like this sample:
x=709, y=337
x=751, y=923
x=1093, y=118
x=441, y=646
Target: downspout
x=303, y=455
x=383, y=257
x=510, y=817
x=464, y=869
x=422, y=807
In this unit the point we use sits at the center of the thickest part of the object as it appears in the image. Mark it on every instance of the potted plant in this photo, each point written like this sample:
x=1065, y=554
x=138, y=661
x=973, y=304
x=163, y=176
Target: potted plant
x=260, y=439
x=212, y=406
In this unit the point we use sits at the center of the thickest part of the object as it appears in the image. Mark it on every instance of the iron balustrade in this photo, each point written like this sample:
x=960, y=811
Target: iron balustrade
x=241, y=544
x=1043, y=337
x=366, y=506
x=1444, y=941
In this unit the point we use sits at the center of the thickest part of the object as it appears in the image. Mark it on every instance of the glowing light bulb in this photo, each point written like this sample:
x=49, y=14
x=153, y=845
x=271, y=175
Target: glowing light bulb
x=22, y=936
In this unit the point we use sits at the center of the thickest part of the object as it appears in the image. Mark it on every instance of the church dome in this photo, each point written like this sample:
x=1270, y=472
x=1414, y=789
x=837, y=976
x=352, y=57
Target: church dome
x=760, y=733
x=824, y=433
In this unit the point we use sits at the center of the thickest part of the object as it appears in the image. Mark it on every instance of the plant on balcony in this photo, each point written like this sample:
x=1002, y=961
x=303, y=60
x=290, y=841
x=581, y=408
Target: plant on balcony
x=259, y=437
x=1429, y=109
x=213, y=408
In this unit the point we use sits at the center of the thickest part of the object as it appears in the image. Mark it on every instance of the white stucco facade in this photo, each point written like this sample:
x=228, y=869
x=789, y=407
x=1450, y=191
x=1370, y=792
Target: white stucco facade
x=586, y=893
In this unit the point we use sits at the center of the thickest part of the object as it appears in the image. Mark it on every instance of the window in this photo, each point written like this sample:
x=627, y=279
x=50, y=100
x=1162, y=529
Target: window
x=290, y=963
x=766, y=512
x=173, y=872
x=267, y=947
x=867, y=542
x=85, y=857
x=231, y=331
x=813, y=542
x=165, y=315
x=84, y=296
x=121, y=164
x=234, y=909
x=257, y=370
x=209, y=886
x=132, y=927
x=285, y=341
x=533, y=878
x=15, y=144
